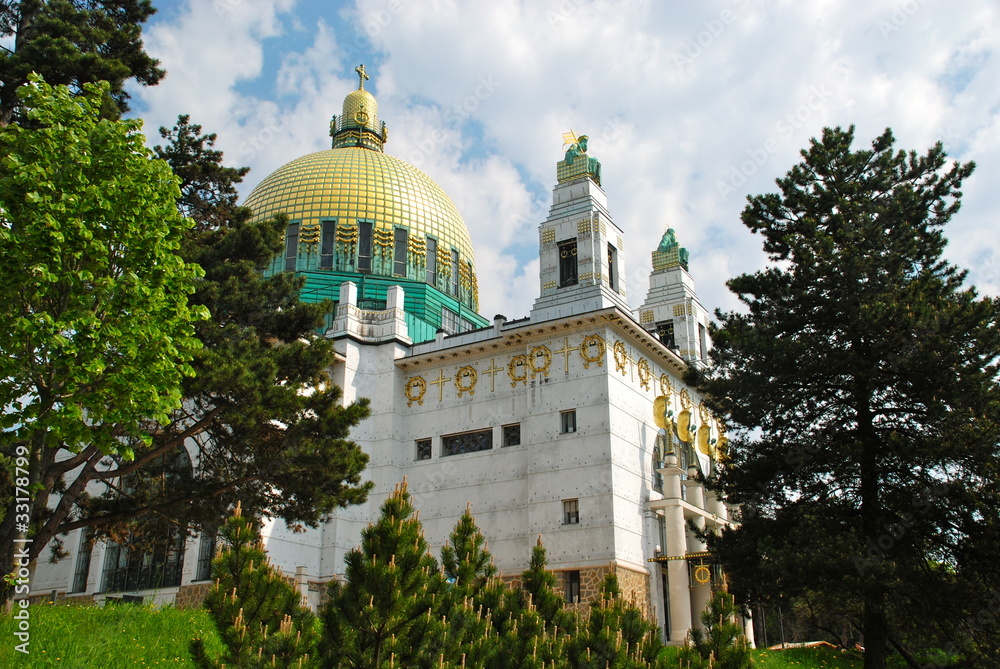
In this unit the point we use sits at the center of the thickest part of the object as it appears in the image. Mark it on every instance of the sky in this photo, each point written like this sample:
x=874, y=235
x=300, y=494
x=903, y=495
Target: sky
x=689, y=106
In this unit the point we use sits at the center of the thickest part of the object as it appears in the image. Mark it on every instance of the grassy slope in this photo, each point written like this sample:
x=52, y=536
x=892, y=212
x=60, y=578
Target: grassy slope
x=123, y=637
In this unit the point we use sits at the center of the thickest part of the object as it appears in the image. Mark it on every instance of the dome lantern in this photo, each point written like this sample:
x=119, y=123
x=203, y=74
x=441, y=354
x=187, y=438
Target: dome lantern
x=358, y=124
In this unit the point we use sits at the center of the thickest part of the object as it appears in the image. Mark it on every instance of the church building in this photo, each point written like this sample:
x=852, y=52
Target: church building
x=572, y=423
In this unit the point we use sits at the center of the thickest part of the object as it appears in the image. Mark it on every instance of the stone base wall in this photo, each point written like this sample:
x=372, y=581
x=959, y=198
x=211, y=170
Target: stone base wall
x=634, y=584
x=192, y=596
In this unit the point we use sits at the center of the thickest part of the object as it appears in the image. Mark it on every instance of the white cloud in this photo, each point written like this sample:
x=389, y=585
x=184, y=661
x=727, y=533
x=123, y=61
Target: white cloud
x=678, y=99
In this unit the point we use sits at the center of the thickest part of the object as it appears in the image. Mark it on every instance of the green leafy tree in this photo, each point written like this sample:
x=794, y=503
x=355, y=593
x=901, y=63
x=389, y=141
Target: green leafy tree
x=862, y=377
x=97, y=332
x=720, y=643
x=385, y=613
x=72, y=43
x=615, y=635
x=260, y=416
x=257, y=612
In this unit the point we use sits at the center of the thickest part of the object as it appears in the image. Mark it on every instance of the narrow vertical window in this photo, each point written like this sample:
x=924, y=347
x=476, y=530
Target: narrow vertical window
x=399, y=252
x=326, y=245
x=702, y=340
x=206, y=553
x=454, y=272
x=572, y=587
x=613, y=267
x=83, y=561
x=364, y=246
x=567, y=263
x=571, y=511
x=432, y=261
x=567, y=421
x=291, y=247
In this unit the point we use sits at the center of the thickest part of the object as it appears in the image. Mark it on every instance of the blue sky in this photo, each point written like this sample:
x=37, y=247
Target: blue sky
x=690, y=106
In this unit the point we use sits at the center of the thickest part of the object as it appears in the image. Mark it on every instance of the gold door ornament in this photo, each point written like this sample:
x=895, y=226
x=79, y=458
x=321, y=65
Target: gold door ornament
x=702, y=574
x=539, y=360
x=593, y=349
x=517, y=369
x=465, y=380
x=416, y=387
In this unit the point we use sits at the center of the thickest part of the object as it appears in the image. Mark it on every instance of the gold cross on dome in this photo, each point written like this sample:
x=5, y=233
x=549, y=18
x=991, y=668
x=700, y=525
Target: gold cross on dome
x=362, y=76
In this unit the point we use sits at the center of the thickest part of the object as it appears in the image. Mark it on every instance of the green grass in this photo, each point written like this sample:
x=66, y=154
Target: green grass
x=115, y=637
x=123, y=637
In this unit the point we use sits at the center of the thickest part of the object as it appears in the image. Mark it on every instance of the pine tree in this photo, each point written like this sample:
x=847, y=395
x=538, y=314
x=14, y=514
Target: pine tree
x=720, y=643
x=257, y=612
x=74, y=42
x=615, y=634
x=861, y=378
x=540, y=590
x=386, y=611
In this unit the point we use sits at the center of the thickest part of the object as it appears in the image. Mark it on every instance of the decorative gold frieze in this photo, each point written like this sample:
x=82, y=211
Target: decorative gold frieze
x=416, y=386
x=647, y=316
x=517, y=370
x=539, y=360
x=645, y=373
x=621, y=358
x=548, y=236
x=465, y=380
x=593, y=349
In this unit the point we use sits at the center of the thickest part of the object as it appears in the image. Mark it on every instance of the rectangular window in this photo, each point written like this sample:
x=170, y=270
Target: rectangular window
x=206, y=553
x=291, y=247
x=703, y=340
x=567, y=263
x=83, y=561
x=158, y=567
x=612, y=267
x=450, y=321
x=454, y=272
x=399, y=252
x=467, y=442
x=572, y=587
x=567, y=421
x=326, y=244
x=364, y=246
x=665, y=333
x=432, y=261
x=512, y=435
x=571, y=511
x=423, y=449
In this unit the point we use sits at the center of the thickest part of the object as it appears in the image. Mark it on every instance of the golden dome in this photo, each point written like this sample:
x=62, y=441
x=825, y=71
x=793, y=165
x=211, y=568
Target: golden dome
x=354, y=183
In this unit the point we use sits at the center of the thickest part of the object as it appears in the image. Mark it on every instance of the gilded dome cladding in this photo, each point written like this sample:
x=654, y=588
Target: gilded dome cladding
x=361, y=107
x=352, y=183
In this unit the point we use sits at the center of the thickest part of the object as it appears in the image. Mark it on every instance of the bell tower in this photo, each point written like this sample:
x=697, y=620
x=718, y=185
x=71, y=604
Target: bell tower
x=580, y=247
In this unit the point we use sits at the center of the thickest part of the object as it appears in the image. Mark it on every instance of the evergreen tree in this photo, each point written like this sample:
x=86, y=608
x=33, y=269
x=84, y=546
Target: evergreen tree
x=257, y=612
x=74, y=42
x=539, y=589
x=616, y=634
x=386, y=613
x=260, y=415
x=720, y=643
x=861, y=376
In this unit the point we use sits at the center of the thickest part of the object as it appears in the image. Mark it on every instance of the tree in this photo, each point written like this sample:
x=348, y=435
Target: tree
x=74, y=42
x=97, y=332
x=384, y=613
x=720, y=642
x=260, y=416
x=615, y=633
x=862, y=378
x=258, y=614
